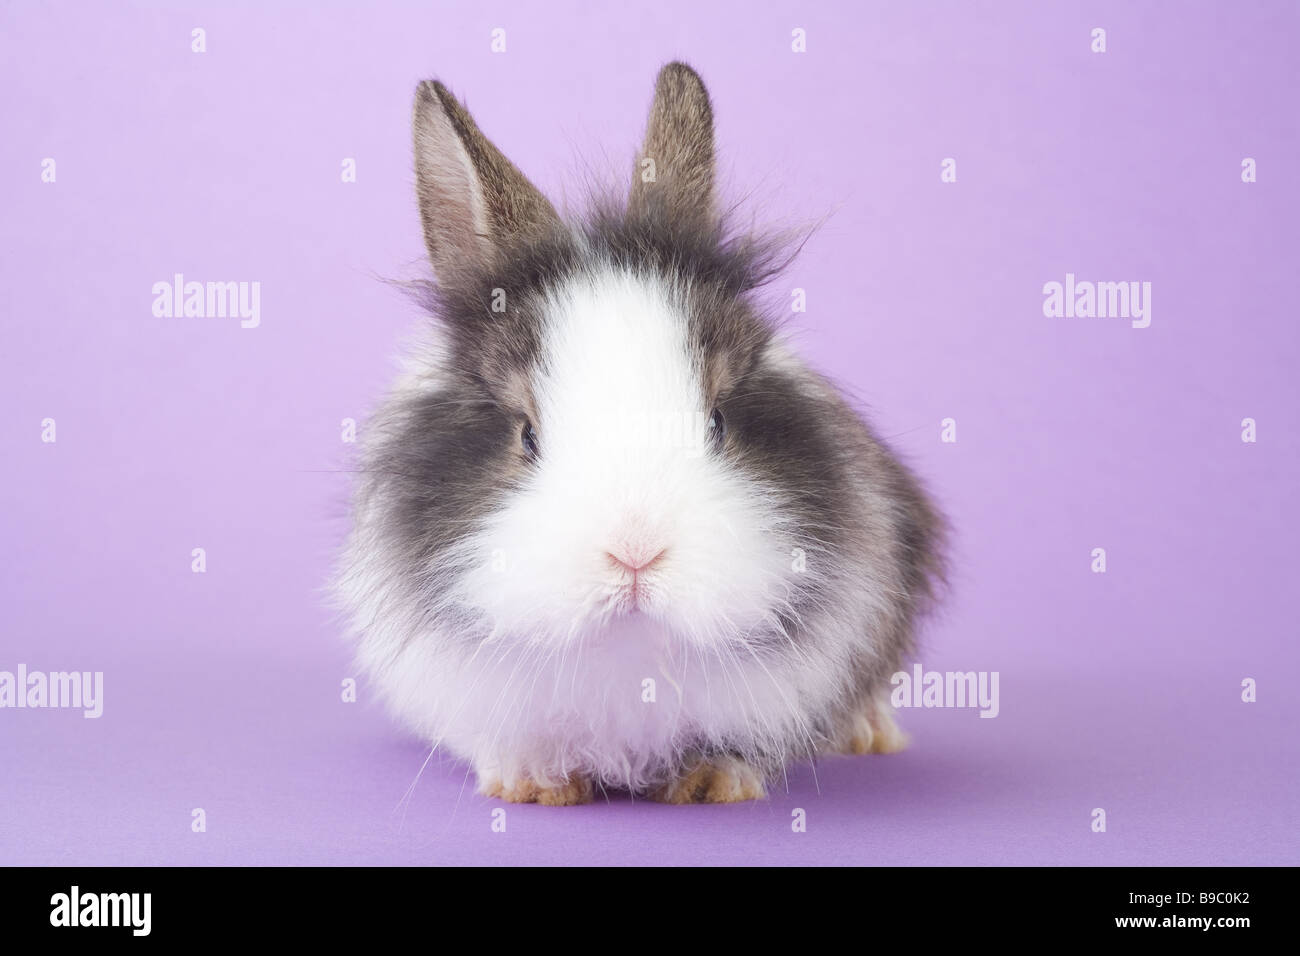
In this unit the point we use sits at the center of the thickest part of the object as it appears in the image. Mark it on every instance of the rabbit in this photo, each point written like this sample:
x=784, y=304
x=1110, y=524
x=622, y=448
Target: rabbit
x=609, y=530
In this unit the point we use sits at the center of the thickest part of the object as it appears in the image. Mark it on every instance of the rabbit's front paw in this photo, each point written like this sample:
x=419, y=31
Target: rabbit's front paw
x=717, y=780
x=569, y=793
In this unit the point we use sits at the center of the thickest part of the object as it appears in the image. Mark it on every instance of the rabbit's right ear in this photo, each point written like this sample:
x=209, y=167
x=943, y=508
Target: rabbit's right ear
x=472, y=199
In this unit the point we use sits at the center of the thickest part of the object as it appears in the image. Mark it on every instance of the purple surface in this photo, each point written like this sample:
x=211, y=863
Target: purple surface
x=222, y=690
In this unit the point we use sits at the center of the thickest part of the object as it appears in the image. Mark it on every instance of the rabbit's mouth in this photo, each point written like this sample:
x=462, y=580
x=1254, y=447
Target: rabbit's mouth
x=637, y=593
x=637, y=578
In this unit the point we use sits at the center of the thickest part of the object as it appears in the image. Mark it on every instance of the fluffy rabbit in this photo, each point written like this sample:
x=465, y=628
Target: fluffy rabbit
x=610, y=530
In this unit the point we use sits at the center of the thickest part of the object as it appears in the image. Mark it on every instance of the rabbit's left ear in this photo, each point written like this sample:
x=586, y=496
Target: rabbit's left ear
x=675, y=168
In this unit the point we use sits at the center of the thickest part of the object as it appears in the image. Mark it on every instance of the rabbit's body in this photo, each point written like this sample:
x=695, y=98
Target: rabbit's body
x=612, y=530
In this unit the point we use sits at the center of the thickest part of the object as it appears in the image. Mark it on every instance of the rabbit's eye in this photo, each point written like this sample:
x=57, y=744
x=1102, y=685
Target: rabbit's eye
x=528, y=438
x=717, y=428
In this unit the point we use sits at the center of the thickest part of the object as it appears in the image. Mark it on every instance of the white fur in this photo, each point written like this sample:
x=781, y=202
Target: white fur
x=547, y=675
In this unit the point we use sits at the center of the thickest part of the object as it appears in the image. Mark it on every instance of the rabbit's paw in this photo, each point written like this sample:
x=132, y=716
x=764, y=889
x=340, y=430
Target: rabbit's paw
x=577, y=789
x=872, y=731
x=717, y=780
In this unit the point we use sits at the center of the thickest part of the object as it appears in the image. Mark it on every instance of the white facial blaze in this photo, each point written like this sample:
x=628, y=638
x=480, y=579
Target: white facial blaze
x=630, y=508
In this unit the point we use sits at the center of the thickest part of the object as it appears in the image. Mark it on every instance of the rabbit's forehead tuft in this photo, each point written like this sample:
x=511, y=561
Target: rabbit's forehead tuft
x=617, y=342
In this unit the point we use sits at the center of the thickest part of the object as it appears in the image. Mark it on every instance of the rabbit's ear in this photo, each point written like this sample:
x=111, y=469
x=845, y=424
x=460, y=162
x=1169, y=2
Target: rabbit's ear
x=675, y=168
x=472, y=199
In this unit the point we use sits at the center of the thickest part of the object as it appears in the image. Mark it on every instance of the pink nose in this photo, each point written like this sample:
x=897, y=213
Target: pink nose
x=636, y=559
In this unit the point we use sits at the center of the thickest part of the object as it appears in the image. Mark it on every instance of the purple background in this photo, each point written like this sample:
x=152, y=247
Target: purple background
x=222, y=690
